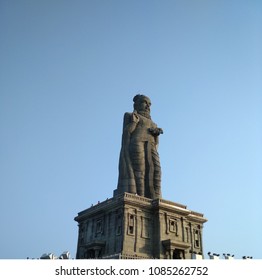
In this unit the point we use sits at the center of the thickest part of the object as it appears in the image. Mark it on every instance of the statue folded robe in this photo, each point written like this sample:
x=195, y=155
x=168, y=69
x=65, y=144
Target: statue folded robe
x=139, y=165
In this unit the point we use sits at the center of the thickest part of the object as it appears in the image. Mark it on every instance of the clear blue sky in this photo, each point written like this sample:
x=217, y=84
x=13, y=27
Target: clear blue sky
x=68, y=73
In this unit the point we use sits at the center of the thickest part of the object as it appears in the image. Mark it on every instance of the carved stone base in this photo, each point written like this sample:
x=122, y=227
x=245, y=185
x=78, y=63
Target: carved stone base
x=129, y=226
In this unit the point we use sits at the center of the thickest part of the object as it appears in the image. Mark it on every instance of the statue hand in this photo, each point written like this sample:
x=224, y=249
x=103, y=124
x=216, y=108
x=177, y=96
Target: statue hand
x=156, y=131
x=160, y=131
x=135, y=117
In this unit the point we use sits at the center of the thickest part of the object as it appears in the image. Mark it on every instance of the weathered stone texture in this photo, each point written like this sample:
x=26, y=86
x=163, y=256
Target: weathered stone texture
x=139, y=163
x=137, y=222
x=131, y=226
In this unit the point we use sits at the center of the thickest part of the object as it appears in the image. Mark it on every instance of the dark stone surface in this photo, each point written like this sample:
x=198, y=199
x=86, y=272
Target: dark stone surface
x=136, y=223
x=130, y=226
x=139, y=165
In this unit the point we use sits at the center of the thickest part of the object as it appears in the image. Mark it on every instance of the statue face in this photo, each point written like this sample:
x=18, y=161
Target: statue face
x=144, y=105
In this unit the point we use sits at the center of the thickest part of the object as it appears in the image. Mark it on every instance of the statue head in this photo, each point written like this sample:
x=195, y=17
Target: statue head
x=142, y=104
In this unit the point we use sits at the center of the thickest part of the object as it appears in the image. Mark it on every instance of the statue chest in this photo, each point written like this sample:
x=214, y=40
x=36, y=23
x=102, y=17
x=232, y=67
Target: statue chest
x=142, y=130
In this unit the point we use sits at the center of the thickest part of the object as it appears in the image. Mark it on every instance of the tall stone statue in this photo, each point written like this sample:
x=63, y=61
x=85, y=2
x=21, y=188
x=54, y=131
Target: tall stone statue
x=139, y=165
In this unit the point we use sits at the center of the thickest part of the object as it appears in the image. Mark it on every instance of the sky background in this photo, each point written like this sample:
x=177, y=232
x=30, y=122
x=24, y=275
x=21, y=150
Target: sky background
x=68, y=73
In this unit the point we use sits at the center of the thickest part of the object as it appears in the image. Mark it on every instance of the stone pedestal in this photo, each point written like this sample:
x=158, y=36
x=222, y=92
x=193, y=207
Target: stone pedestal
x=129, y=226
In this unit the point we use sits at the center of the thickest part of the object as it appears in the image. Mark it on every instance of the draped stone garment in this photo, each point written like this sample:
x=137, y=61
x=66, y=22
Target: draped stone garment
x=139, y=165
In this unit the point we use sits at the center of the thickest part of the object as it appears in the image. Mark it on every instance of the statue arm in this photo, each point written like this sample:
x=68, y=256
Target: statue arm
x=130, y=122
x=156, y=131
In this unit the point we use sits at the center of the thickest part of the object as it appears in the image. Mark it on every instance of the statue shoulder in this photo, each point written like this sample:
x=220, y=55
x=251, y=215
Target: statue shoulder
x=127, y=115
x=127, y=118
